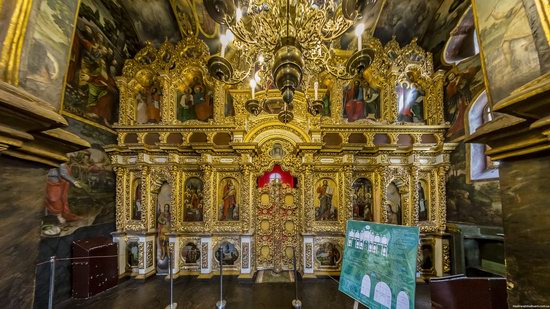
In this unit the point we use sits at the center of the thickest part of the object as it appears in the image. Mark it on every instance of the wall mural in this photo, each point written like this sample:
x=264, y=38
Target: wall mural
x=194, y=20
x=326, y=202
x=228, y=254
x=463, y=84
x=81, y=192
x=360, y=101
x=405, y=20
x=164, y=221
x=507, y=45
x=444, y=20
x=195, y=100
x=153, y=20
x=228, y=200
x=393, y=207
x=103, y=39
x=44, y=59
x=362, y=200
x=478, y=202
x=193, y=200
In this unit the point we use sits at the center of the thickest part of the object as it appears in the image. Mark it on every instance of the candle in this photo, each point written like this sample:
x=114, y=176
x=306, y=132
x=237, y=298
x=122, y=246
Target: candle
x=359, y=33
x=223, y=40
x=239, y=14
x=316, y=89
x=253, y=87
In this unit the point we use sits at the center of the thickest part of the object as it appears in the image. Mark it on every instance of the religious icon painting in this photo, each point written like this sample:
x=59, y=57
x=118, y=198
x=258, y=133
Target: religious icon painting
x=393, y=205
x=326, y=104
x=229, y=108
x=136, y=200
x=277, y=151
x=227, y=253
x=194, y=99
x=228, y=200
x=426, y=257
x=326, y=200
x=360, y=101
x=148, y=102
x=410, y=102
x=132, y=253
x=328, y=255
x=193, y=200
x=164, y=219
x=362, y=200
x=423, y=201
x=190, y=254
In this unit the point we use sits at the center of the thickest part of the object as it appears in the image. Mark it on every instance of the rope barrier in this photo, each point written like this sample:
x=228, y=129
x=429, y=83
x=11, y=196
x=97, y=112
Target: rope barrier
x=77, y=258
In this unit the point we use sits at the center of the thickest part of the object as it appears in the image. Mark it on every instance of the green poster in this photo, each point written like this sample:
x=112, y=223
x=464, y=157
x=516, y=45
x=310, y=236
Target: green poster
x=379, y=267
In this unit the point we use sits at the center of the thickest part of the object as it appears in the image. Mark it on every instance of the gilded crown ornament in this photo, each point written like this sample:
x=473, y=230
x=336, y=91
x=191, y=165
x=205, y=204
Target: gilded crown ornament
x=285, y=44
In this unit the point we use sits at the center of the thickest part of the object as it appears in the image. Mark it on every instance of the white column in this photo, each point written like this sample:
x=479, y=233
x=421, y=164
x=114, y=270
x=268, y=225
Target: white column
x=308, y=253
x=246, y=260
x=174, y=243
x=120, y=239
x=206, y=255
x=149, y=255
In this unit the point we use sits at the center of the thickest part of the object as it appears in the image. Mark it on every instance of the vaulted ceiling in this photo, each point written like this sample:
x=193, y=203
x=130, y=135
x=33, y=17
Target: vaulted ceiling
x=430, y=21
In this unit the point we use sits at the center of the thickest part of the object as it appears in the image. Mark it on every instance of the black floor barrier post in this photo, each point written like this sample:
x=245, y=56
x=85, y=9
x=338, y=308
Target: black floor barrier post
x=52, y=282
x=296, y=303
x=221, y=303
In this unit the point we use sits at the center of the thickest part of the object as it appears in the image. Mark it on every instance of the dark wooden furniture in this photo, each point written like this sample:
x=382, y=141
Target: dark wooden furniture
x=92, y=271
x=460, y=292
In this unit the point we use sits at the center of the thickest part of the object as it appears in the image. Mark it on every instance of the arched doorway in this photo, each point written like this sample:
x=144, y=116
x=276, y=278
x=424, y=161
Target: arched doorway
x=277, y=220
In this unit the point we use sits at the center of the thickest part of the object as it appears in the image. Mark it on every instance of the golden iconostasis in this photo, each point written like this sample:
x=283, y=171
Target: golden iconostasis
x=200, y=177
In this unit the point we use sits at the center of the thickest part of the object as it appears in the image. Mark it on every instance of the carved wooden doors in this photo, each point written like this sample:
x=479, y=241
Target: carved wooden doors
x=277, y=219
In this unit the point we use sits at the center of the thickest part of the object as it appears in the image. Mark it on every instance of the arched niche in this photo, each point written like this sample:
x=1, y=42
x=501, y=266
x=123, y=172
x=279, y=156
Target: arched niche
x=198, y=137
x=222, y=139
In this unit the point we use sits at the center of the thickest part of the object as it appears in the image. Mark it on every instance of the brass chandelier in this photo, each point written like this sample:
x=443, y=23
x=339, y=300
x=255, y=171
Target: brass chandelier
x=286, y=44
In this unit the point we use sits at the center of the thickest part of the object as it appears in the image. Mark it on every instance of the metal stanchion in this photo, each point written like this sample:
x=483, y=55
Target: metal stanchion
x=52, y=282
x=172, y=305
x=296, y=303
x=221, y=303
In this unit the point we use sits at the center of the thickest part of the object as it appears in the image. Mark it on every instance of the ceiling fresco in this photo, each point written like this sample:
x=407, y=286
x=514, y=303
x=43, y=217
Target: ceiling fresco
x=405, y=19
x=160, y=20
x=153, y=20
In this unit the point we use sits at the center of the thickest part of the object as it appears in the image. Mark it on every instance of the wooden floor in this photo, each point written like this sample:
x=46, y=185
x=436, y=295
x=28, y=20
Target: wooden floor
x=191, y=293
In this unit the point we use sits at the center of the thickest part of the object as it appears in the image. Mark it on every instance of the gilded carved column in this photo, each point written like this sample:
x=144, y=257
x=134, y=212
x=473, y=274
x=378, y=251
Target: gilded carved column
x=247, y=201
x=308, y=215
x=121, y=197
x=413, y=170
x=346, y=188
x=209, y=212
x=442, y=194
